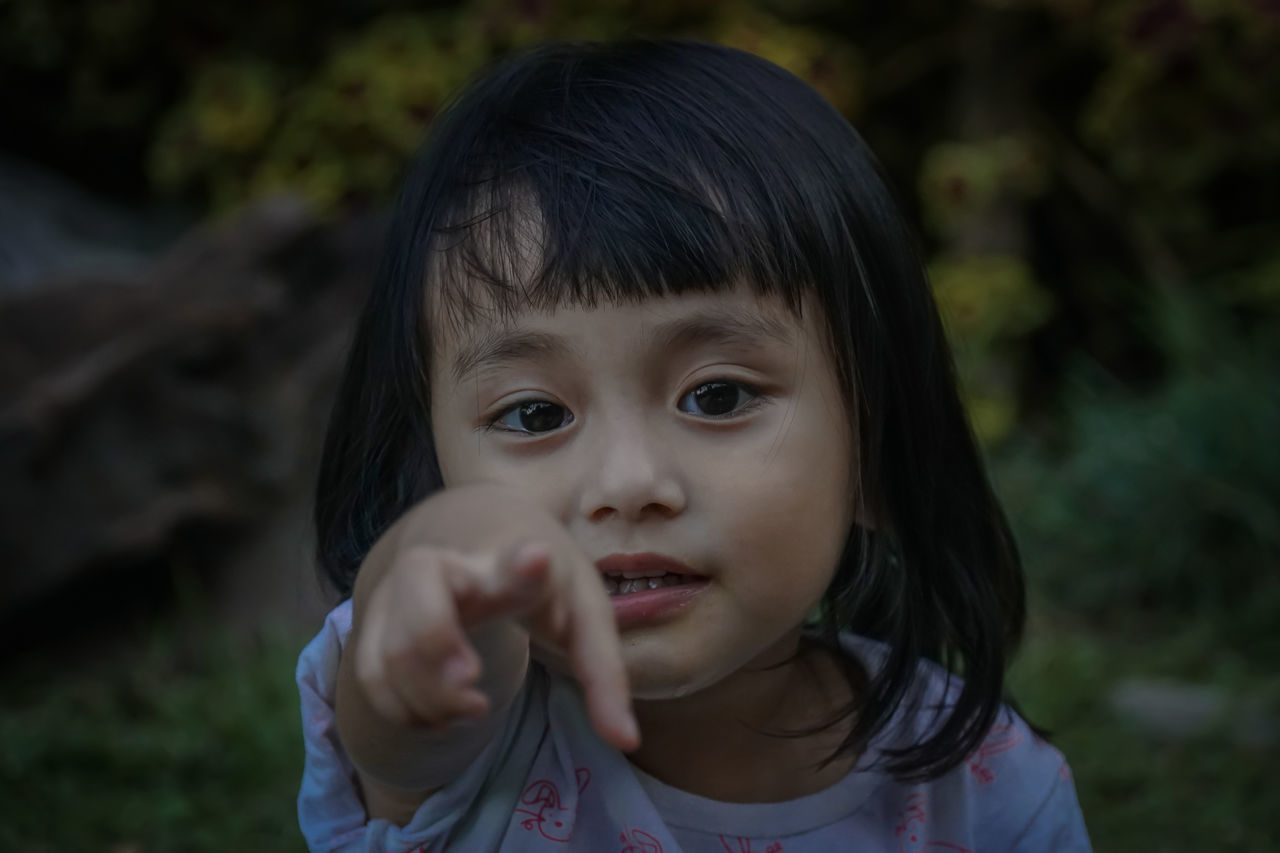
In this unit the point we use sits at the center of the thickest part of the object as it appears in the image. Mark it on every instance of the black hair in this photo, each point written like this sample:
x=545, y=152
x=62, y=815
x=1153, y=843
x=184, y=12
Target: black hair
x=574, y=173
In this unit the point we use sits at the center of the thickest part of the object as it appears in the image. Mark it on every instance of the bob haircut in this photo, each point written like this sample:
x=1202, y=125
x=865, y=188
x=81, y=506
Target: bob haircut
x=576, y=173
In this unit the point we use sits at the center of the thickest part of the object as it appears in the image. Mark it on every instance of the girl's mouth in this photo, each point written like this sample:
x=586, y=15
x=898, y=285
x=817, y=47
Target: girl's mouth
x=648, y=587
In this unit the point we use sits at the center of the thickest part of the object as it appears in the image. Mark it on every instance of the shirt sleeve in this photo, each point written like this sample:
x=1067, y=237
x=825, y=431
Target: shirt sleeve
x=1057, y=824
x=331, y=813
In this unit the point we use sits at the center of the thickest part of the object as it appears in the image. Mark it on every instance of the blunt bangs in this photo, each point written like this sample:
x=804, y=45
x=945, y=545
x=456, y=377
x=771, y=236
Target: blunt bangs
x=591, y=174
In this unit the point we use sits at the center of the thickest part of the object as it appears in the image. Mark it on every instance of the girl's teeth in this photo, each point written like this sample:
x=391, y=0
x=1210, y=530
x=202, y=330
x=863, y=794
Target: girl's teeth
x=627, y=585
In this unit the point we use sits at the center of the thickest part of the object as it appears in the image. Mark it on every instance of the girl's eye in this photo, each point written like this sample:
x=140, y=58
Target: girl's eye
x=532, y=417
x=718, y=398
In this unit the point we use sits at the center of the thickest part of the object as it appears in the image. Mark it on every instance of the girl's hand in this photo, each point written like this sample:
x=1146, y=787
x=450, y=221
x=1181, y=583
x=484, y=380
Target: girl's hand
x=426, y=650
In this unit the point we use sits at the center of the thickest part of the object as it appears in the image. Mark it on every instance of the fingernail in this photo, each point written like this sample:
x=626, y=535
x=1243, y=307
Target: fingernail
x=530, y=552
x=457, y=670
x=474, y=707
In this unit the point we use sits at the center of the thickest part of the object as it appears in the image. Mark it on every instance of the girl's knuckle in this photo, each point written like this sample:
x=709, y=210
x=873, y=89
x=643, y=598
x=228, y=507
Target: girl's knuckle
x=372, y=680
x=396, y=658
x=433, y=637
x=387, y=706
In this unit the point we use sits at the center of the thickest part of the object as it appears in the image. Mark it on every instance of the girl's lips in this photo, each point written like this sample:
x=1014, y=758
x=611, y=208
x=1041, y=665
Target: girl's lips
x=648, y=605
x=616, y=564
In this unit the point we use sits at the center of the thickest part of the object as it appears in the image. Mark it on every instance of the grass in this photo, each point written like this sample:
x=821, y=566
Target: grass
x=1140, y=791
x=182, y=750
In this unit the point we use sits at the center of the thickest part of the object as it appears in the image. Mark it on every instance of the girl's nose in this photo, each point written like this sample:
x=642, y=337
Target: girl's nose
x=632, y=476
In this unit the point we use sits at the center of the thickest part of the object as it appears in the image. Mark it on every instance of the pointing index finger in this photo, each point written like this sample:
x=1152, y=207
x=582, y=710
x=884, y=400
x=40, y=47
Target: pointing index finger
x=595, y=654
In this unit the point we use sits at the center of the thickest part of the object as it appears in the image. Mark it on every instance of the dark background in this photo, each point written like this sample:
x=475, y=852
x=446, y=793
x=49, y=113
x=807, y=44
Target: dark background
x=191, y=199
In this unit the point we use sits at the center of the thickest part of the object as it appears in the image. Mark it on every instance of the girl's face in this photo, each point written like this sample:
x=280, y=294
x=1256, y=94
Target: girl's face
x=708, y=428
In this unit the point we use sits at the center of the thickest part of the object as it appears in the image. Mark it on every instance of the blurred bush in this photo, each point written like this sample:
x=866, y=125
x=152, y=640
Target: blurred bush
x=1160, y=513
x=1189, y=97
x=340, y=132
x=991, y=304
x=182, y=747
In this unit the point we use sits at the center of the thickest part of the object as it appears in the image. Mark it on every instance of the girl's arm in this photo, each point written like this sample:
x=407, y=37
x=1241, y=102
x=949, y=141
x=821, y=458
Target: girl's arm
x=442, y=613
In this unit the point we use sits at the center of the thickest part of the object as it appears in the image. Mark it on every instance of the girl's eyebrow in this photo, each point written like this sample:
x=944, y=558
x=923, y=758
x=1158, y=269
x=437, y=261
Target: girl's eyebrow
x=721, y=326
x=497, y=347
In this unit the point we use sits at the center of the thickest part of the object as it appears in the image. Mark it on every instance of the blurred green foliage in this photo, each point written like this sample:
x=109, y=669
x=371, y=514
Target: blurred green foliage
x=1190, y=90
x=1164, y=510
x=991, y=303
x=343, y=131
x=312, y=100
x=1138, y=790
x=170, y=747
x=961, y=180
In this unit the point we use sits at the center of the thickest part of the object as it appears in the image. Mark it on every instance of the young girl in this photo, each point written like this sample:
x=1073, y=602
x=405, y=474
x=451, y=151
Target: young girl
x=660, y=523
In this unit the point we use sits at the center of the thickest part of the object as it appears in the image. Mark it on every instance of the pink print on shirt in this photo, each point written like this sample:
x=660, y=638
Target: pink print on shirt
x=911, y=829
x=639, y=841
x=546, y=812
x=1002, y=738
x=738, y=844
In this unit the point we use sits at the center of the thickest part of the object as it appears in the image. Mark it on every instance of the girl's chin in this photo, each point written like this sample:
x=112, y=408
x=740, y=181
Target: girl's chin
x=645, y=684
x=660, y=684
